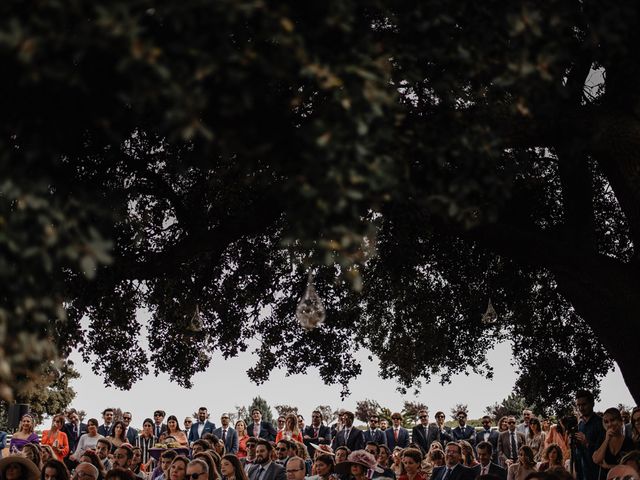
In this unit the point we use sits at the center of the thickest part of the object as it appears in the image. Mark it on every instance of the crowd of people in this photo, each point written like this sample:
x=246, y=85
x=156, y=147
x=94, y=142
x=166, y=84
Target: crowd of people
x=588, y=446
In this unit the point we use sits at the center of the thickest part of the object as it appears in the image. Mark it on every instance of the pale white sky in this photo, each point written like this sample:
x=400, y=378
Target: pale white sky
x=225, y=385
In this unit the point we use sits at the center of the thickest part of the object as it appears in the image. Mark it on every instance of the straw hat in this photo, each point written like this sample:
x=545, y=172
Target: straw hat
x=359, y=457
x=31, y=471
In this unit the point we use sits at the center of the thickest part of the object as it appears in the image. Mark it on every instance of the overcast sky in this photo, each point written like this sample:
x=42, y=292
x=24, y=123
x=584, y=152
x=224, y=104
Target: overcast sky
x=225, y=385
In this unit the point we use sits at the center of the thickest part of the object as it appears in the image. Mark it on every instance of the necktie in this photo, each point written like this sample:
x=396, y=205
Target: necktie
x=346, y=435
x=256, y=430
x=447, y=473
x=224, y=435
x=395, y=434
x=157, y=430
x=514, y=447
x=485, y=470
x=260, y=473
x=315, y=432
x=75, y=431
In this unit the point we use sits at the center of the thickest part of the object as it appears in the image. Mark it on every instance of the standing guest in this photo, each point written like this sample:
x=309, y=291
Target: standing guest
x=129, y=432
x=524, y=466
x=486, y=434
x=202, y=426
x=468, y=455
x=463, y=431
x=106, y=429
x=56, y=438
x=349, y=436
x=486, y=466
x=397, y=435
x=260, y=428
x=280, y=424
x=384, y=424
x=89, y=456
x=178, y=468
x=158, y=426
x=453, y=468
x=23, y=436
x=117, y=436
x=300, y=423
x=411, y=464
x=227, y=434
x=373, y=433
x=536, y=438
x=231, y=469
x=323, y=467
x=103, y=450
x=17, y=467
x=634, y=433
x=32, y=452
x=509, y=444
x=243, y=438
x=316, y=433
x=358, y=465
x=46, y=453
x=524, y=426
x=74, y=429
x=551, y=458
x=442, y=433
x=546, y=426
x=423, y=432
x=290, y=431
x=146, y=440
x=615, y=444
x=88, y=440
x=188, y=421
x=503, y=424
x=173, y=429
x=589, y=437
x=54, y=470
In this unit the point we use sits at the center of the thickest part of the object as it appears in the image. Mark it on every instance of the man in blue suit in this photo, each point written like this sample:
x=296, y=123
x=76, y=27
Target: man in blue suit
x=488, y=435
x=397, y=435
x=464, y=431
x=202, y=426
x=227, y=434
x=129, y=432
x=316, y=433
x=350, y=436
x=486, y=466
x=423, y=433
x=373, y=433
x=453, y=469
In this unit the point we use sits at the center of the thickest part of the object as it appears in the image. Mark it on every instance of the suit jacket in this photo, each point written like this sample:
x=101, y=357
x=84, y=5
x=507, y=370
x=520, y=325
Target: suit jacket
x=104, y=431
x=163, y=428
x=231, y=440
x=323, y=438
x=73, y=439
x=423, y=437
x=403, y=438
x=493, y=440
x=467, y=433
x=504, y=445
x=273, y=472
x=266, y=431
x=494, y=469
x=209, y=427
x=354, y=442
x=132, y=435
x=377, y=436
x=459, y=472
x=443, y=436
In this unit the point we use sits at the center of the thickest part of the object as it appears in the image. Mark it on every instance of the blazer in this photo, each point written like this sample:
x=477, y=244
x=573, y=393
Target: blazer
x=73, y=439
x=504, y=445
x=403, y=438
x=459, y=472
x=231, y=440
x=443, y=436
x=266, y=431
x=209, y=427
x=273, y=472
x=354, y=442
x=132, y=435
x=104, y=431
x=467, y=433
x=494, y=469
x=493, y=440
x=377, y=436
x=163, y=428
x=423, y=437
x=323, y=438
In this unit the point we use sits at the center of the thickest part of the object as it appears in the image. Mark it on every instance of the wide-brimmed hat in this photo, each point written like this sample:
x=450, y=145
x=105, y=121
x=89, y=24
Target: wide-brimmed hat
x=359, y=457
x=31, y=469
x=323, y=448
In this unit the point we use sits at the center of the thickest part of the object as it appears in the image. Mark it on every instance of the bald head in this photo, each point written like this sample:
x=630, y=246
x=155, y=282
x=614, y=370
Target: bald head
x=621, y=471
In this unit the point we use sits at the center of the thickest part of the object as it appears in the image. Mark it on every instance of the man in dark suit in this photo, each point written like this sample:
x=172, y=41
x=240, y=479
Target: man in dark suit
x=259, y=428
x=509, y=443
x=158, y=426
x=263, y=468
x=129, y=432
x=316, y=433
x=397, y=435
x=106, y=428
x=74, y=430
x=441, y=433
x=227, y=434
x=453, y=468
x=486, y=466
x=488, y=435
x=349, y=436
x=202, y=426
x=464, y=431
x=373, y=433
x=423, y=432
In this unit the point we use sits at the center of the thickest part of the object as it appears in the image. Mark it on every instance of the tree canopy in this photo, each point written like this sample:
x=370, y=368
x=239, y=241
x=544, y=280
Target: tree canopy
x=424, y=159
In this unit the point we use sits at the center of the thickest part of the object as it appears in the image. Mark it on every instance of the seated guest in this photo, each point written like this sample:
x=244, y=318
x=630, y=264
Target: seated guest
x=54, y=470
x=411, y=465
x=524, y=466
x=486, y=466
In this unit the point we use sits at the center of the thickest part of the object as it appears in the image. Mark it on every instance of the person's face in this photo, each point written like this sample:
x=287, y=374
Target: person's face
x=45, y=455
x=73, y=418
x=424, y=418
x=137, y=457
x=452, y=455
x=195, y=472
x=126, y=419
x=226, y=468
x=373, y=423
x=546, y=425
x=158, y=418
x=50, y=473
x=348, y=421
x=202, y=415
x=396, y=421
x=611, y=423
x=553, y=456
x=84, y=472
x=147, y=428
x=357, y=470
x=165, y=463
x=196, y=449
x=484, y=457
x=295, y=471
x=462, y=419
x=13, y=471
x=384, y=424
x=121, y=459
x=92, y=429
x=172, y=425
x=58, y=423
x=300, y=422
x=251, y=449
x=584, y=407
x=225, y=421
x=322, y=468
x=118, y=430
x=440, y=419
x=341, y=456
x=102, y=451
x=486, y=423
x=108, y=416
x=526, y=415
x=281, y=422
x=410, y=465
x=504, y=424
x=262, y=454
x=256, y=415
x=281, y=451
x=511, y=423
x=187, y=424
x=383, y=457
x=177, y=471
x=316, y=419
x=26, y=424
x=534, y=426
x=635, y=420
x=625, y=416
x=521, y=456
x=372, y=450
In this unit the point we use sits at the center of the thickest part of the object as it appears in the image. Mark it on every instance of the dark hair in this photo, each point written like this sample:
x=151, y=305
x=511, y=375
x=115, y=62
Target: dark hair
x=106, y=441
x=373, y=444
x=128, y=448
x=205, y=444
x=327, y=460
x=211, y=463
x=239, y=473
x=159, y=412
x=265, y=443
x=203, y=408
x=37, y=456
x=585, y=394
x=556, y=447
x=62, y=473
x=349, y=414
x=456, y=444
x=396, y=415
x=107, y=410
x=614, y=412
x=537, y=422
x=96, y=462
x=174, y=418
x=485, y=446
x=168, y=454
x=436, y=455
x=149, y=421
x=413, y=453
x=528, y=454
x=118, y=473
x=254, y=409
x=92, y=421
x=124, y=429
x=286, y=442
x=342, y=447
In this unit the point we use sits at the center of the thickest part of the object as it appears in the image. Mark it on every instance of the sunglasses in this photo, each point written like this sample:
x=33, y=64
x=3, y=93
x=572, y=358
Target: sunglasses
x=126, y=418
x=193, y=476
x=281, y=449
x=251, y=445
x=511, y=423
x=158, y=415
x=424, y=416
x=439, y=416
